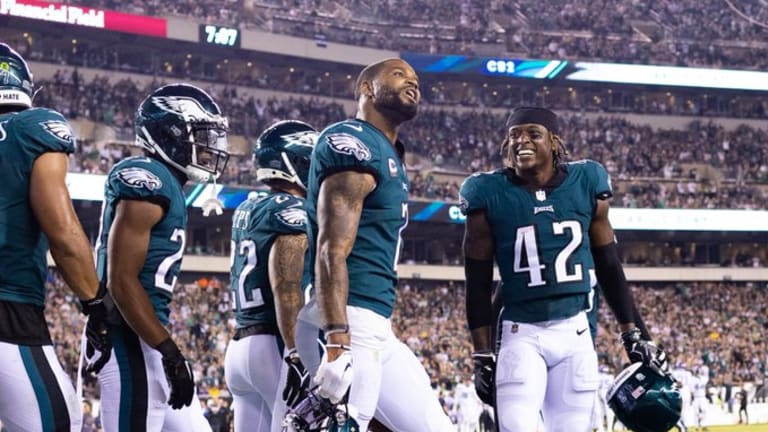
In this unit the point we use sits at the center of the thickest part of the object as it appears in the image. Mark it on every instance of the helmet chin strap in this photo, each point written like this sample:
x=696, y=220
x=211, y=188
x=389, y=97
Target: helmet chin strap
x=148, y=143
x=292, y=170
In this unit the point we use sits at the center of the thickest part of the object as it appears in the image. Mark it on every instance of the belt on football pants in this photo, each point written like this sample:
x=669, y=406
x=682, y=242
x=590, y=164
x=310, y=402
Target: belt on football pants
x=256, y=329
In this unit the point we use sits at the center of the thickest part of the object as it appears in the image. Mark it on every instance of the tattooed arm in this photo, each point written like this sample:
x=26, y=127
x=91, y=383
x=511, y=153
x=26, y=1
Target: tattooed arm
x=286, y=265
x=339, y=207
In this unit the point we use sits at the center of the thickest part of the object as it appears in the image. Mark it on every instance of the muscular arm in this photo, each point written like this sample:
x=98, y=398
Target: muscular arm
x=286, y=265
x=610, y=273
x=478, y=269
x=339, y=206
x=52, y=206
x=127, y=251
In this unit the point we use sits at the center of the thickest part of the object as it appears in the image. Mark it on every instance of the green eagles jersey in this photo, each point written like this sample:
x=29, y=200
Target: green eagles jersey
x=142, y=178
x=356, y=145
x=255, y=226
x=541, y=237
x=24, y=136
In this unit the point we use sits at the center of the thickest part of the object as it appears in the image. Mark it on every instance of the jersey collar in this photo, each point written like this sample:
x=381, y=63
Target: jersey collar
x=561, y=172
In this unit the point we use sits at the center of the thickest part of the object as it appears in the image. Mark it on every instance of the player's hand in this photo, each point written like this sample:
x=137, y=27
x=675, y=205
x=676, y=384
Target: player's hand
x=178, y=373
x=334, y=378
x=98, y=344
x=647, y=352
x=485, y=375
x=297, y=381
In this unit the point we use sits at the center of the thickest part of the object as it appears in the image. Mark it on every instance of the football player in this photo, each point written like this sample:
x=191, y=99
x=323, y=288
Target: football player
x=699, y=402
x=269, y=241
x=36, y=213
x=147, y=385
x=357, y=204
x=546, y=224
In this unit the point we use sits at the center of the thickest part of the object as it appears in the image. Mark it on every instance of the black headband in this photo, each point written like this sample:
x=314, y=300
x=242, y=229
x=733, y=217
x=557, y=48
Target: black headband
x=535, y=115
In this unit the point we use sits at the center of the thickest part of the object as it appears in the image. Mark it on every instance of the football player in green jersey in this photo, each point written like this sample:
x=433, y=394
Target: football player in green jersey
x=140, y=248
x=357, y=203
x=269, y=240
x=545, y=222
x=36, y=214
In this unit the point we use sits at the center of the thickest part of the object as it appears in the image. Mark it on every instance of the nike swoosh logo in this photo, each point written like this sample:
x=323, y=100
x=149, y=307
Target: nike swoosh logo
x=355, y=127
x=581, y=332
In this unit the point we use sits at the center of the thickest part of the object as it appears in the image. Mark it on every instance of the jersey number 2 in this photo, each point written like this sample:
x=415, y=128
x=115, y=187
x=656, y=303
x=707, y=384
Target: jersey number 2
x=178, y=236
x=525, y=244
x=246, y=249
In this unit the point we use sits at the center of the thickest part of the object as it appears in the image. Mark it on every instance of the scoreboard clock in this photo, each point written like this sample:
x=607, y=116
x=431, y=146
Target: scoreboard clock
x=220, y=35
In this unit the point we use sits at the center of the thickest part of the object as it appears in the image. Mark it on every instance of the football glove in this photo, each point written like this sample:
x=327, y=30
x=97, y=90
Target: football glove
x=485, y=376
x=644, y=351
x=178, y=373
x=297, y=380
x=98, y=344
x=334, y=378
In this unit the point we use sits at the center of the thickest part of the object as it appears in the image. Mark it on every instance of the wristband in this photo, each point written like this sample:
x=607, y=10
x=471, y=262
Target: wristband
x=338, y=346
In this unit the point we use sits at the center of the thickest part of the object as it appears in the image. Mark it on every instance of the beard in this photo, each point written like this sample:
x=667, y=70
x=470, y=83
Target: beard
x=392, y=106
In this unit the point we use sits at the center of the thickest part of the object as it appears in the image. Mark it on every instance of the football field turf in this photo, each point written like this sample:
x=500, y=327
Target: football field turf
x=737, y=428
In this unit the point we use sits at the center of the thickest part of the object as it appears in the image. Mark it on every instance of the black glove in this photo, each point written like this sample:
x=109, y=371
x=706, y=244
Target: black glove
x=297, y=382
x=98, y=344
x=178, y=373
x=640, y=350
x=485, y=376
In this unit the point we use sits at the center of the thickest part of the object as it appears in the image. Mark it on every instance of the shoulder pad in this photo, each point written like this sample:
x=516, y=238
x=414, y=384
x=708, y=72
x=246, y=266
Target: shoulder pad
x=472, y=194
x=140, y=177
x=44, y=130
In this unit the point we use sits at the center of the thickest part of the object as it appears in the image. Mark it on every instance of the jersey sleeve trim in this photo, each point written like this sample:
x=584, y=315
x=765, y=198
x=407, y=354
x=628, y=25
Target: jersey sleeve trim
x=160, y=200
x=360, y=169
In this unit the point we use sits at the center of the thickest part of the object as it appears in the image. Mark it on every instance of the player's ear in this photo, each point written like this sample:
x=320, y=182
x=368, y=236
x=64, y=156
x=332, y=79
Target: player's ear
x=505, y=152
x=366, y=88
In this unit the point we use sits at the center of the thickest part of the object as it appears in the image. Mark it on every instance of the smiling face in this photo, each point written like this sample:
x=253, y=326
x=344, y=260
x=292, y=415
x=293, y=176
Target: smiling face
x=529, y=147
x=395, y=91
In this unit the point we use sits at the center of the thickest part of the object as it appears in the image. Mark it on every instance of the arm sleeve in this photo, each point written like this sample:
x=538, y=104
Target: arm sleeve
x=479, y=277
x=610, y=276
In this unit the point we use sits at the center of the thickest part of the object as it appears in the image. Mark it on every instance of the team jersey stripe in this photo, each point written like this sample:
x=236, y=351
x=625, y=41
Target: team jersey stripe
x=134, y=394
x=53, y=407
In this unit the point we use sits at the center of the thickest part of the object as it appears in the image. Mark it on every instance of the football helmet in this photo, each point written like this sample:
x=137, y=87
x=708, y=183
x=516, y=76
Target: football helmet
x=283, y=152
x=16, y=88
x=645, y=400
x=182, y=126
x=318, y=414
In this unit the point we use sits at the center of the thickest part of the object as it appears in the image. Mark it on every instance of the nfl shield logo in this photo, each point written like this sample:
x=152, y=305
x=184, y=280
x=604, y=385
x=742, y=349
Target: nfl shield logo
x=541, y=195
x=514, y=328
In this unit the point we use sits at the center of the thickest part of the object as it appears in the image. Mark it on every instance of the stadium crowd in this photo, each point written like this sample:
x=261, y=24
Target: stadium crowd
x=687, y=32
x=337, y=81
x=719, y=325
x=468, y=141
